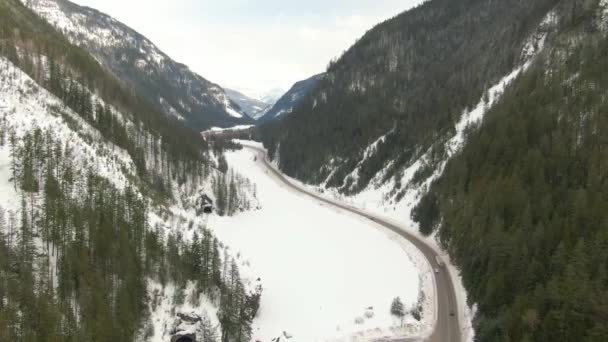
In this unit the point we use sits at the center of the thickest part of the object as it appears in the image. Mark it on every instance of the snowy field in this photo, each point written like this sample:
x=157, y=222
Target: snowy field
x=322, y=269
x=378, y=196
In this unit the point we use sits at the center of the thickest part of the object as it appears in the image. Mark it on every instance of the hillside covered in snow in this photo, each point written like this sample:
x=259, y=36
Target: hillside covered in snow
x=480, y=124
x=135, y=205
x=136, y=61
x=104, y=206
x=328, y=275
x=253, y=107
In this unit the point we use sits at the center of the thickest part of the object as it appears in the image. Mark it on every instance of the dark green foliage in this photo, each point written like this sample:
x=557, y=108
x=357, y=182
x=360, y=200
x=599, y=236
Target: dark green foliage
x=229, y=191
x=73, y=74
x=167, y=85
x=200, y=261
x=95, y=254
x=524, y=207
x=412, y=76
x=397, y=308
x=427, y=213
x=417, y=310
x=76, y=258
x=290, y=99
x=95, y=244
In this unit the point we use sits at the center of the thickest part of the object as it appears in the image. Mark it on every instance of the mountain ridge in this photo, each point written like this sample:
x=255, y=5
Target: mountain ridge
x=388, y=82
x=108, y=191
x=481, y=124
x=286, y=103
x=136, y=61
x=253, y=107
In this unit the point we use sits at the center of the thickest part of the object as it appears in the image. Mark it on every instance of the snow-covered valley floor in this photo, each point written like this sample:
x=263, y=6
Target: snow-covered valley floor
x=321, y=268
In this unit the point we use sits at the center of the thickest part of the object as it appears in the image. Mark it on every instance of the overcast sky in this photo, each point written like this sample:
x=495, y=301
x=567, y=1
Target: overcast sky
x=252, y=45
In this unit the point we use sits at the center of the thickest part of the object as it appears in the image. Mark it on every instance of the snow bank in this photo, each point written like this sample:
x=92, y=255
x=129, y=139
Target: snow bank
x=24, y=107
x=234, y=128
x=321, y=268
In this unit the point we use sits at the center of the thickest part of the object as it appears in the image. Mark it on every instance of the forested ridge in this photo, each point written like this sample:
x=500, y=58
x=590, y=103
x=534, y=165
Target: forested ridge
x=523, y=208
x=79, y=252
x=409, y=78
x=26, y=37
x=293, y=97
x=170, y=86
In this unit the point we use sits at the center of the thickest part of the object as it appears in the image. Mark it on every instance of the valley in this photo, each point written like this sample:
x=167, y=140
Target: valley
x=447, y=301
x=443, y=179
x=346, y=264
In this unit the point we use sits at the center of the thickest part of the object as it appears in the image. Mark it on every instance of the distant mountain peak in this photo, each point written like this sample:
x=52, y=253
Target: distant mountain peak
x=136, y=61
x=292, y=98
x=253, y=107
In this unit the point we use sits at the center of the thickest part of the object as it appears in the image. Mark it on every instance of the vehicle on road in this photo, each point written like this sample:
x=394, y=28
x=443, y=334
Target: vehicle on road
x=439, y=261
x=446, y=329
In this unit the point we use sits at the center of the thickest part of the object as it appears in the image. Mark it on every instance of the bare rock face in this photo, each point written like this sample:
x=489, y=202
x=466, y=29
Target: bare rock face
x=191, y=318
x=185, y=327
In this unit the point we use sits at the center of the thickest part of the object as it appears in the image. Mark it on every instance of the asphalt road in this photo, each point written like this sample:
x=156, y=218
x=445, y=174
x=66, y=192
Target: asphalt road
x=447, y=328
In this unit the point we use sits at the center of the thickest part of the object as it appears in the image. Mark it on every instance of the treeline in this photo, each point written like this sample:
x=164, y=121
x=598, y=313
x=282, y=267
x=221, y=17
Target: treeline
x=412, y=76
x=72, y=75
x=523, y=209
x=73, y=267
x=77, y=255
x=232, y=193
x=205, y=261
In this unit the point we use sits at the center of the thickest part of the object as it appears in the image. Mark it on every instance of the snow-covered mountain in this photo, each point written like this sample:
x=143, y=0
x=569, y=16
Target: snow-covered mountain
x=465, y=120
x=266, y=95
x=109, y=194
x=271, y=96
x=286, y=103
x=253, y=107
x=141, y=65
x=28, y=110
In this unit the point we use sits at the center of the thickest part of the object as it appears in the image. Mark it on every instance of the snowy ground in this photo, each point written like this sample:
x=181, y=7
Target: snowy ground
x=218, y=131
x=233, y=128
x=24, y=107
x=378, y=197
x=321, y=268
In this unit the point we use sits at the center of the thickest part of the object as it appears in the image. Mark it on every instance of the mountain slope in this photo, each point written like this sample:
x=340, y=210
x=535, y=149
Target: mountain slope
x=291, y=99
x=408, y=79
x=523, y=208
x=271, y=95
x=252, y=107
x=512, y=180
x=142, y=66
x=100, y=205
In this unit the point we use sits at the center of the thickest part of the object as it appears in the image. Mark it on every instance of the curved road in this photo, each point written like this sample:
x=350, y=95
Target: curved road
x=447, y=328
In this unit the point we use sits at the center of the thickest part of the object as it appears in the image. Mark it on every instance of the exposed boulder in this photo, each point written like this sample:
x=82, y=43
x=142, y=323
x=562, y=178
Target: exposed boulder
x=185, y=327
x=191, y=318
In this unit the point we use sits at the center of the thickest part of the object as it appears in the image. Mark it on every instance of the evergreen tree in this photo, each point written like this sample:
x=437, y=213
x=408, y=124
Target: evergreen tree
x=397, y=308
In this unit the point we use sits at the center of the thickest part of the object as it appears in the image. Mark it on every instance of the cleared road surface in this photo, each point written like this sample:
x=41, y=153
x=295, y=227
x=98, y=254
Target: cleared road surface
x=447, y=328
